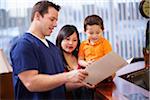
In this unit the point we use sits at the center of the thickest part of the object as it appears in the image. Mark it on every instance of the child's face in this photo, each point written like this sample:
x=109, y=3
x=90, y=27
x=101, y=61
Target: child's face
x=94, y=32
x=70, y=43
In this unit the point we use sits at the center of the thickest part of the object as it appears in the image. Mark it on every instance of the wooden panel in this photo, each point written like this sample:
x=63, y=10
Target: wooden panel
x=6, y=87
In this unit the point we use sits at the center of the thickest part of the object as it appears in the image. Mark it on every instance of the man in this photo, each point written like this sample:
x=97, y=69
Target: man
x=37, y=63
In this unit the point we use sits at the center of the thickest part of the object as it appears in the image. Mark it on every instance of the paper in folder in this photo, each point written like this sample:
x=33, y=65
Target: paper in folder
x=5, y=67
x=104, y=67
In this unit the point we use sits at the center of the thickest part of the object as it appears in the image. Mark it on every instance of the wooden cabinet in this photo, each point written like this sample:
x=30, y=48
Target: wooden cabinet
x=6, y=87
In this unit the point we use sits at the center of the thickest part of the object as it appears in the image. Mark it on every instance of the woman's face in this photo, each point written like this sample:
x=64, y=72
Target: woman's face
x=70, y=43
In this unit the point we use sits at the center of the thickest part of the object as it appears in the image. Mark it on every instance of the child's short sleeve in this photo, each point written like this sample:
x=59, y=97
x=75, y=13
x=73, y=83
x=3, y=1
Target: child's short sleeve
x=81, y=50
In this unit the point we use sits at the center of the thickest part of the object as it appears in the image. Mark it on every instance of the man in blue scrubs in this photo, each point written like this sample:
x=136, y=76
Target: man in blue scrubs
x=38, y=70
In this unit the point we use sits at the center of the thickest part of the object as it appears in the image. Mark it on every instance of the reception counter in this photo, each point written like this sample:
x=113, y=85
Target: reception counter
x=6, y=86
x=120, y=88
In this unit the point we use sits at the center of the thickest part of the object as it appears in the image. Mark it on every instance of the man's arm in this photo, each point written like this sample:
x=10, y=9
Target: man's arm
x=35, y=82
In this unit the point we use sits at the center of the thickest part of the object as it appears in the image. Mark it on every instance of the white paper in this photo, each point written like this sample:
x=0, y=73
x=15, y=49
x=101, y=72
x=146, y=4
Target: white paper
x=105, y=67
x=129, y=60
x=4, y=65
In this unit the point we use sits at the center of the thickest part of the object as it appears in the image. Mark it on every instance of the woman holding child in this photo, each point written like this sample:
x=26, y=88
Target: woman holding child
x=68, y=41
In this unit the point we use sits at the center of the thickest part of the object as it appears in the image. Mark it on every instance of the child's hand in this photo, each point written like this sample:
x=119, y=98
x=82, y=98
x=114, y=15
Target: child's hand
x=90, y=62
x=84, y=63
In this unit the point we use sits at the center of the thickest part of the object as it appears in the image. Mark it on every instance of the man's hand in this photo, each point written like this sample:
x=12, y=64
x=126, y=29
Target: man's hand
x=88, y=85
x=76, y=75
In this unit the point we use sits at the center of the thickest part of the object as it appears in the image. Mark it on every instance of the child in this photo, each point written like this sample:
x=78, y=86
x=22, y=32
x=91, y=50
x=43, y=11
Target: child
x=96, y=46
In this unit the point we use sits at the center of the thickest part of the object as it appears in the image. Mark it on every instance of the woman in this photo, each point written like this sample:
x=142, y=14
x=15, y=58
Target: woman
x=68, y=41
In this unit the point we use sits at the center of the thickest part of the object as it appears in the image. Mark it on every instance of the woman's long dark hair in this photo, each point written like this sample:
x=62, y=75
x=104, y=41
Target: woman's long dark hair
x=65, y=32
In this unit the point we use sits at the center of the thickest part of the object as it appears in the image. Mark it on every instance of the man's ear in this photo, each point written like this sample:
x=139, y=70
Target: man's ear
x=37, y=16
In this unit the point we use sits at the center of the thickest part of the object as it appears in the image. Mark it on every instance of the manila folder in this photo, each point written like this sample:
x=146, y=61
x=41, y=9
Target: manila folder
x=104, y=67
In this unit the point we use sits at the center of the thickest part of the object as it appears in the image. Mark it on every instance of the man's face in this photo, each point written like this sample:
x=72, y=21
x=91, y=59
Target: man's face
x=49, y=21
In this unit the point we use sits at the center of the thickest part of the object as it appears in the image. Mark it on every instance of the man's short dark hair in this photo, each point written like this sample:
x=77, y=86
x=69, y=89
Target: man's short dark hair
x=42, y=8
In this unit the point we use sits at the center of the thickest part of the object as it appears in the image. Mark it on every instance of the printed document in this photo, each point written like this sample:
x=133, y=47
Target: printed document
x=104, y=67
x=5, y=67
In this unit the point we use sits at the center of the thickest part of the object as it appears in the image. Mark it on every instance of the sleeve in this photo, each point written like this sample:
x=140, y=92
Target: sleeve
x=81, y=51
x=24, y=57
x=107, y=47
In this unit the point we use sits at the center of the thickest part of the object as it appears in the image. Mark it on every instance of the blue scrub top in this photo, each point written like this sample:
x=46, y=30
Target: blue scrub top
x=30, y=53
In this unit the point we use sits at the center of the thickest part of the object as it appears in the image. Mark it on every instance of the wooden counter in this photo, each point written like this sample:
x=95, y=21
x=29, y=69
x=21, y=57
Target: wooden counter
x=120, y=89
x=6, y=86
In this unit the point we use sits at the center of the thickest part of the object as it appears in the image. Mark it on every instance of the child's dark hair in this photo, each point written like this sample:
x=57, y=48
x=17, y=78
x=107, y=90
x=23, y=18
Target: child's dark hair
x=93, y=20
x=42, y=8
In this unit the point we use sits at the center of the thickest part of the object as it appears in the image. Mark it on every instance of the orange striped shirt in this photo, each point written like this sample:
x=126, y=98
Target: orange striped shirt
x=95, y=51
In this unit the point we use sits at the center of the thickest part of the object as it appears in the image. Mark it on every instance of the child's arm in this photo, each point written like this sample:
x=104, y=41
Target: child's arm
x=81, y=57
x=82, y=62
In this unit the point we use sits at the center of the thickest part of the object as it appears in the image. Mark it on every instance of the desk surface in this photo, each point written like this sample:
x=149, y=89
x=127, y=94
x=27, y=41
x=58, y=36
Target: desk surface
x=121, y=89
